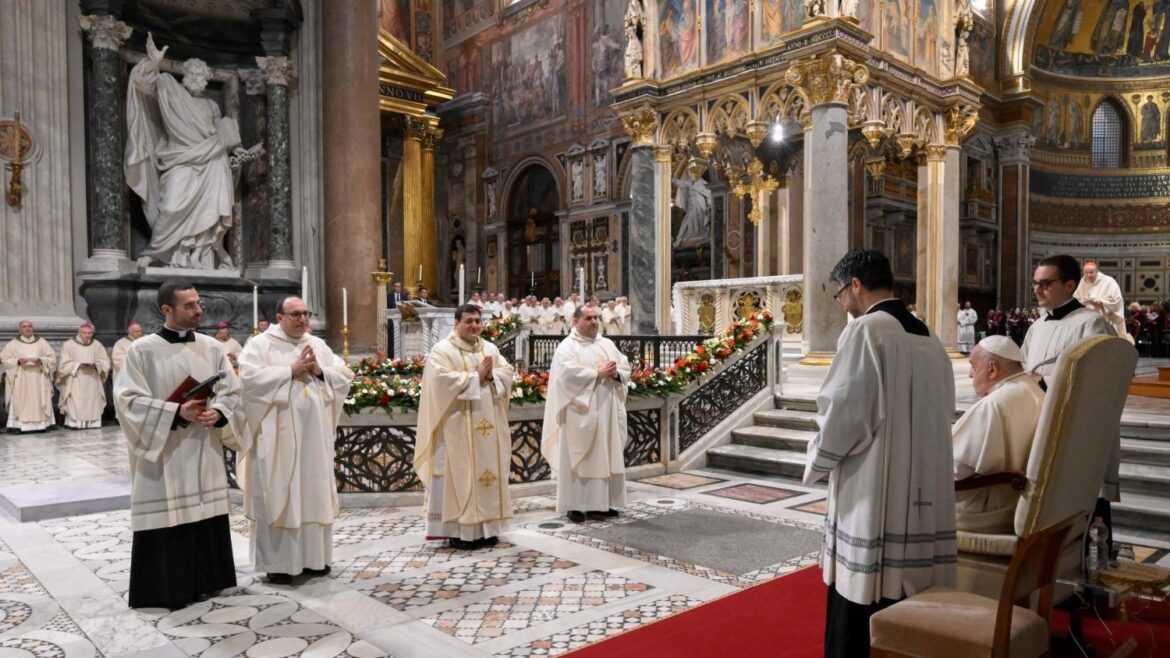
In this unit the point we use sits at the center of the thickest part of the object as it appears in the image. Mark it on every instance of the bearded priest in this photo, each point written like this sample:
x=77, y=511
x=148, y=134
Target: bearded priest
x=29, y=364
x=294, y=388
x=585, y=420
x=463, y=450
x=81, y=378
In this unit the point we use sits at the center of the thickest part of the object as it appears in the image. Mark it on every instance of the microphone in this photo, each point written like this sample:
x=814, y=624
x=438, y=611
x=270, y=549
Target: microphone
x=205, y=388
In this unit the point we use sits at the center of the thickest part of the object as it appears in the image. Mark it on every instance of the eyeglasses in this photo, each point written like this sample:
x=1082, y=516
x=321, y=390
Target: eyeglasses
x=191, y=306
x=297, y=315
x=837, y=295
x=1044, y=284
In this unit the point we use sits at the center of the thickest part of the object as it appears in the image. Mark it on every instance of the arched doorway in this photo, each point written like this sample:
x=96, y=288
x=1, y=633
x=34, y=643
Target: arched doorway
x=534, y=234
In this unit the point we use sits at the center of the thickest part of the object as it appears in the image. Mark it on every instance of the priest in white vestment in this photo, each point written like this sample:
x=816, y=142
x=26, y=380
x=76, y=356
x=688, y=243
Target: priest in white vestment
x=609, y=319
x=230, y=345
x=622, y=311
x=585, y=432
x=122, y=346
x=29, y=364
x=182, y=547
x=995, y=434
x=1067, y=323
x=1100, y=292
x=463, y=447
x=294, y=388
x=884, y=413
x=81, y=378
x=966, y=320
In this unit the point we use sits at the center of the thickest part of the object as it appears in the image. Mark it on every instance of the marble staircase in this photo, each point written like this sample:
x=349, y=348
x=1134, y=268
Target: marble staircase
x=776, y=445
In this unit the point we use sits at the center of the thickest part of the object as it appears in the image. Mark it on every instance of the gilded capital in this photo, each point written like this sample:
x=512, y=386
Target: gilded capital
x=957, y=122
x=663, y=153
x=827, y=79
x=105, y=31
x=936, y=152
x=640, y=123
x=426, y=132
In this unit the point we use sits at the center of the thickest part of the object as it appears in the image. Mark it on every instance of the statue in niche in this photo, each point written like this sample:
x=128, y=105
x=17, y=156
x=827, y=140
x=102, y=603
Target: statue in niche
x=633, y=56
x=1076, y=123
x=489, y=191
x=177, y=160
x=964, y=23
x=694, y=199
x=814, y=8
x=600, y=178
x=577, y=180
x=849, y=8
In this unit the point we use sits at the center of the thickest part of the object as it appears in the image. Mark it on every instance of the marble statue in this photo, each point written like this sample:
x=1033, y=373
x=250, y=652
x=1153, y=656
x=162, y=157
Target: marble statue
x=600, y=179
x=633, y=57
x=577, y=184
x=694, y=199
x=814, y=7
x=177, y=150
x=964, y=22
x=849, y=8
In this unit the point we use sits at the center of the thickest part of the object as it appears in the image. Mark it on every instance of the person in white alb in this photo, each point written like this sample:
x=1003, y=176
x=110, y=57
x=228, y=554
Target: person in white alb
x=81, y=379
x=967, y=318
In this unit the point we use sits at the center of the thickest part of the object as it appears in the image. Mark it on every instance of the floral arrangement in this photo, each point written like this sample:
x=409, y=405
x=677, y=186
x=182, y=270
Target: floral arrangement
x=396, y=384
x=499, y=326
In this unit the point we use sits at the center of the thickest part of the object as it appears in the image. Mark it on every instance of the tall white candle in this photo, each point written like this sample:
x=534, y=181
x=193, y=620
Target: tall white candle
x=581, y=282
x=532, y=279
x=255, y=307
x=479, y=276
x=420, y=271
x=462, y=283
x=344, y=307
x=305, y=285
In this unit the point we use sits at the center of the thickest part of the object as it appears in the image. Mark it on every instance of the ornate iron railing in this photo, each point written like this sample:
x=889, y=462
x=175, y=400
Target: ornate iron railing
x=726, y=392
x=375, y=459
x=507, y=346
x=657, y=351
x=645, y=428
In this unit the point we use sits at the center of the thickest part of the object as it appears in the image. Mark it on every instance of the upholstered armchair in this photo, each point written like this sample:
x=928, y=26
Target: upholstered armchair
x=1077, y=438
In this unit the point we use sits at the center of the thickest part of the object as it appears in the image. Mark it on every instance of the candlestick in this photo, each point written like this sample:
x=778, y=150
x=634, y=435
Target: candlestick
x=345, y=343
x=532, y=279
x=420, y=271
x=581, y=282
x=462, y=283
x=479, y=276
x=344, y=307
x=305, y=286
x=255, y=309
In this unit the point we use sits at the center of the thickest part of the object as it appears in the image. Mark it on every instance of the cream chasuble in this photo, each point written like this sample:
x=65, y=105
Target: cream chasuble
x=29, y=387
x=609, y=322
x=290, y=492
x=178, y=474
x=623, y=318
x=1106, y=291
x=884, y=414
x=585, y=429
x=463, y=450
x=83, y=391
x=995, y=435
x=966, y=320
x=233, y=348
x=118, y=354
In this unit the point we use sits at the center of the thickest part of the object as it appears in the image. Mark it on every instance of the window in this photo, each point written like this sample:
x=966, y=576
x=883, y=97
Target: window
x=1108, y=136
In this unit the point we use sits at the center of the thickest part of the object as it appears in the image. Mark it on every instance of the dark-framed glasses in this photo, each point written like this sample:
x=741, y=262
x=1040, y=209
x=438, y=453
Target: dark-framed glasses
x=1044, y=284
x=297, y=315
x=837, y=295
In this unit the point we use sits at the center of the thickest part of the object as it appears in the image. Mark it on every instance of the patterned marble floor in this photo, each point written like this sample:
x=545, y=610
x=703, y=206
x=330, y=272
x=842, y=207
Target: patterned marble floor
x=550, y=586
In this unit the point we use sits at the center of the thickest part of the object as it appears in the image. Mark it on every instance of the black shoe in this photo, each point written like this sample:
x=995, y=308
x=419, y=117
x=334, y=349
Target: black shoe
x=577, y=517
x=610, y=512
x=319, y=572
x=460, y=545
x=487, y=541
x=279, y=579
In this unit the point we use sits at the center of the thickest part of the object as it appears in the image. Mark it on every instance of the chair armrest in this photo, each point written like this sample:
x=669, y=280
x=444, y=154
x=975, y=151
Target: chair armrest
x=1018, y=480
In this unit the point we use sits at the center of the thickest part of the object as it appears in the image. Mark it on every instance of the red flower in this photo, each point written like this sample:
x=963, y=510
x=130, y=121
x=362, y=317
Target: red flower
x=385, y=399
x=702, y=366
x=700, y=350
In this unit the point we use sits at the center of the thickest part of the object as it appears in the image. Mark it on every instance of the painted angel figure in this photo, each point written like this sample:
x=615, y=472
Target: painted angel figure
x=178, y=145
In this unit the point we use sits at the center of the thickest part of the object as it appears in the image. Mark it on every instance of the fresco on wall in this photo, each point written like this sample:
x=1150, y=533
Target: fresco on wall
x=1104, y=38
x=866, y=13
x=728, y=26
x=526, y=75
x=926, y=51
x=608, y=48
x=897, y=17
x=982, y=54
x=778, y=17
x=678, y=37
x=394, y=17
x=463, y=18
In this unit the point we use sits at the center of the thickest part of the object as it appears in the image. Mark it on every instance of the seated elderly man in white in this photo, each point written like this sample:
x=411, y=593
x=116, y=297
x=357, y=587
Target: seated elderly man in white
x=995, y=434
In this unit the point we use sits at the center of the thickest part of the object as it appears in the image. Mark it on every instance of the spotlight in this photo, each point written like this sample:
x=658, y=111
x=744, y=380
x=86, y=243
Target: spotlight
x=777, y=132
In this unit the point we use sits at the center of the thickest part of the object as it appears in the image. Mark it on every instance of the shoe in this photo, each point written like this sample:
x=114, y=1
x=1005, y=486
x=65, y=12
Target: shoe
x=460, y=545
x=319, y=572
x=610, y=512
x=488, y=541
x=279, y=579
x=577, y=517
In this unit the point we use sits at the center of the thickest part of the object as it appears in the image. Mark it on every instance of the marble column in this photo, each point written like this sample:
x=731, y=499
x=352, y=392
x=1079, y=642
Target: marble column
x=254, y=175
x=661, y=241
x=931, y=265
x=783, y=227
x=429, y=246
x=1015, y=157
x=643, y=228
x=765, y=234
x=277, y=74
x=418, y=205
x=352, y=166
x=106, y=138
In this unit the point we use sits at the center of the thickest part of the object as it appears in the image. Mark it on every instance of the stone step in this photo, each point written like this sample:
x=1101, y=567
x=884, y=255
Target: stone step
x=1141, y=513
x=796, y=420
x=1143, y=451
x=1150, y=430
x=795, y=404
x=776, y=438
x=752, y=459
x=1145, y=479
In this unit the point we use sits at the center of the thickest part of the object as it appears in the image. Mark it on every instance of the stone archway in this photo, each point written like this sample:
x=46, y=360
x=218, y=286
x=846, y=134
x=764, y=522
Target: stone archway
x=534, y=233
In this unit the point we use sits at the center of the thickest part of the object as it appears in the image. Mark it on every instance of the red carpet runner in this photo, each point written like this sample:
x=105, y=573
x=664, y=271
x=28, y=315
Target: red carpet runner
x=784, y=617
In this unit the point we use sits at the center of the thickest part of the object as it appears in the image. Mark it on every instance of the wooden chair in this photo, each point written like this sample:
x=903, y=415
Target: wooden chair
x=944, y=621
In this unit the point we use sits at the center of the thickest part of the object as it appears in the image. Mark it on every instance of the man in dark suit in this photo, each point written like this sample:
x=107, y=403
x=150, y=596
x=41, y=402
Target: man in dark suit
x=395, y=298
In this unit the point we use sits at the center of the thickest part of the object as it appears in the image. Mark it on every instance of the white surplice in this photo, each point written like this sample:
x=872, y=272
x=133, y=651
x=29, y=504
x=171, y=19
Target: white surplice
x=29, y=388
x=118, y=354
x=993, y=436
x=966, y=319
x=1049, y=338
x=83, y=392
x=585, y=431
x=884, y=414
x=178, y=475
x=463, y=447
x=1106, y=291
x=290, y=492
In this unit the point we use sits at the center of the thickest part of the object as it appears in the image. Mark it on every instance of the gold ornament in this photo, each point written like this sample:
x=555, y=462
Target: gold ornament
x=827, y=79
x=640, y=123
